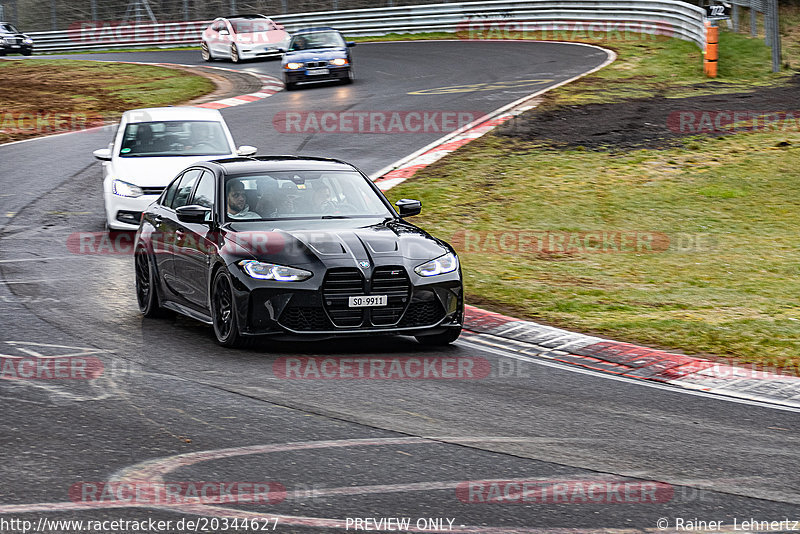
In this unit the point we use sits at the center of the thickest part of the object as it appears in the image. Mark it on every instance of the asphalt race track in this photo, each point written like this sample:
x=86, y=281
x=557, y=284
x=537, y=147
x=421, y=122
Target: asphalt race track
x=342, y=448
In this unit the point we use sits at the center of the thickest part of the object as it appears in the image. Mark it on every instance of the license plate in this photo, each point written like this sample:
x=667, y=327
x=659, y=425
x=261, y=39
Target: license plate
x=317, y=72
x=368, y=301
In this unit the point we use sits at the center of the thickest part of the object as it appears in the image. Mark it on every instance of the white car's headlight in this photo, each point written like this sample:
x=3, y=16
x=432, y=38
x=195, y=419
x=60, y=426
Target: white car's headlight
x=441, y=265
x=124, y=189
x=294, y=66
x=339, y=61
x=27, y=40
x=271, y=271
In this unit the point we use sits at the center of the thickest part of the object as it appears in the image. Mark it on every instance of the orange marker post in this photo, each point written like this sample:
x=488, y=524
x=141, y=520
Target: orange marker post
x=712, y=50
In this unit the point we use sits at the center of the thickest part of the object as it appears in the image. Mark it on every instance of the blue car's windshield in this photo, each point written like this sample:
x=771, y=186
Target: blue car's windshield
x=307, y=41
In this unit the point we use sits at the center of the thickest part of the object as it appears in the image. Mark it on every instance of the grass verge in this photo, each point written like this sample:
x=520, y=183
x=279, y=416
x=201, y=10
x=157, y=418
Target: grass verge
x=43, y=96
x=720, y=277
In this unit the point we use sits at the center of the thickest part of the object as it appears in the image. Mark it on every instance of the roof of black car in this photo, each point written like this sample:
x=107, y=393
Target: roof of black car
x=256, y=164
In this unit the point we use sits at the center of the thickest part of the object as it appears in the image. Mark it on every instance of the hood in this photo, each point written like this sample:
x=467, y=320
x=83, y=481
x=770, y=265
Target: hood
x=315, y=54
x=273, y=37
x=154, y=172
x=340, y=241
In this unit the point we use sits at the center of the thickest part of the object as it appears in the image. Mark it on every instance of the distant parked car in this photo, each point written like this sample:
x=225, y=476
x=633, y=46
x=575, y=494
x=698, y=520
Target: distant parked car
x=317, y=54
x=12, y=41
x=150, y=147
x=243, y=37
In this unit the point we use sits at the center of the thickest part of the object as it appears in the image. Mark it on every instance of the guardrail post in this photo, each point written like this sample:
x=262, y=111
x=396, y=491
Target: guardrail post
x=712, y=53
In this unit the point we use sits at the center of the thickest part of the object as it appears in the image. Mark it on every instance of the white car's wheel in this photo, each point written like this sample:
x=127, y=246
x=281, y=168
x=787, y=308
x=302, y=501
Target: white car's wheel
x=205, y=52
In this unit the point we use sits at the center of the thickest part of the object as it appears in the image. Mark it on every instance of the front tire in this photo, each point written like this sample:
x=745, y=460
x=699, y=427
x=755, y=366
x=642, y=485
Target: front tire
x=146, y=290
x=223, y=311
x=205, y=53
x=440, y=340
x=235, y=54
x=27, y=52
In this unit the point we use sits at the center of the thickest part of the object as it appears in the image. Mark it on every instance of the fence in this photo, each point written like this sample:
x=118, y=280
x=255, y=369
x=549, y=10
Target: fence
x=769, y=10
x=677, y=19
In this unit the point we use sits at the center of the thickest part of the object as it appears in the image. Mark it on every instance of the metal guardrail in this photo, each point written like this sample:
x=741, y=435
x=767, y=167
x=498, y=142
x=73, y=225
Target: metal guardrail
x=662, y=17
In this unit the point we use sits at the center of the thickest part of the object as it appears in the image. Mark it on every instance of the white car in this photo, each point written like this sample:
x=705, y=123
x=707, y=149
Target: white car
x=149, y=148
x=243, y=37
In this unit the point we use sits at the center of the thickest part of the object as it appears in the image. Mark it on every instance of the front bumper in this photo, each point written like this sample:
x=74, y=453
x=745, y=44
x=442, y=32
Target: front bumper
x=302, y=75
x=124, y=213
x=256, y=51
x=6, y=48
x=425, y=307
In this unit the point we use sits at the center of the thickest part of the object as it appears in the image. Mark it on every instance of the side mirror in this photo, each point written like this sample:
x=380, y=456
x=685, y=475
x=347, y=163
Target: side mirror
x=246, y=150
x=279, y=26
x=103, y=154
x=408, y=207
x=351, y=44
x=194, y=214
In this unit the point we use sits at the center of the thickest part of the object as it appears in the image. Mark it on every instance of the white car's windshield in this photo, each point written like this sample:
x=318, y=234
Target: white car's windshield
x=174, y=138
x=252, y=26
x=301, y=195
x=8, y=28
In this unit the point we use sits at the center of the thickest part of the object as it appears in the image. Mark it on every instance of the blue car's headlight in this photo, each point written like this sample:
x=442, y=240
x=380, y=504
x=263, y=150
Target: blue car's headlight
x=441, y=265
x=271, y=271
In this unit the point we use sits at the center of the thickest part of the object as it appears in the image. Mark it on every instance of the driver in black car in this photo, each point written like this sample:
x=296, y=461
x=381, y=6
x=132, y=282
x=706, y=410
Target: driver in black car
x=237, y=202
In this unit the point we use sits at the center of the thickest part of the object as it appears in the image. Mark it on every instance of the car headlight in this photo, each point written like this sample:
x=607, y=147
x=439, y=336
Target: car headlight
x=339, y=61
x=27, y=40
x=294, y=66
x=441, y=265
x=124, y=189
x=271, y=271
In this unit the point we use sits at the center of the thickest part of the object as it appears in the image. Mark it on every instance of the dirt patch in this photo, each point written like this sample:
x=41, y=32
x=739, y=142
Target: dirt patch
x=659, y=122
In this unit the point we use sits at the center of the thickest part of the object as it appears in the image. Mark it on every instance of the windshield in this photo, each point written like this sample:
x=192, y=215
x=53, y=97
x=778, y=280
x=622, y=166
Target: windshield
x=174, y=138
x=301, y=195
x=8, y=28
x=252, y=26
x=306, y=41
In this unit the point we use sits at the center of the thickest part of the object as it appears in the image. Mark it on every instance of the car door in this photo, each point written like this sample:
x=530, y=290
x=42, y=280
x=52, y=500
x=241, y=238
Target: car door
x=170, y=235
x=164, y=229
x=194, y=246
x=215, y=39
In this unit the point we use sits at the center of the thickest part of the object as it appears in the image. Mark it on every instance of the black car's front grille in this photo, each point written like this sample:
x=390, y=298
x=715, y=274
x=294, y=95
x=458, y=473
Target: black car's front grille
x=392, y=282
x=305, y=318
x=316, y=64
x=337, y=288
x=423, y=314
x=152, y=190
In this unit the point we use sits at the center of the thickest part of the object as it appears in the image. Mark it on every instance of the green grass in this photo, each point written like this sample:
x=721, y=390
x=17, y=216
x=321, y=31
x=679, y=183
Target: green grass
x=724, y=283
x=87, y=91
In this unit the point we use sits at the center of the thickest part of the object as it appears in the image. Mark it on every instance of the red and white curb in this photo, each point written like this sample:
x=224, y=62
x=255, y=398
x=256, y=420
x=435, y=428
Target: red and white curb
x=633, y=361
x=591, y=352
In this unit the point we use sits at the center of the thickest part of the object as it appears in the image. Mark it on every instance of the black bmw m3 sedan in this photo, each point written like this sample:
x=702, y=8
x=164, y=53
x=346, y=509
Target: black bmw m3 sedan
x=296, y=248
